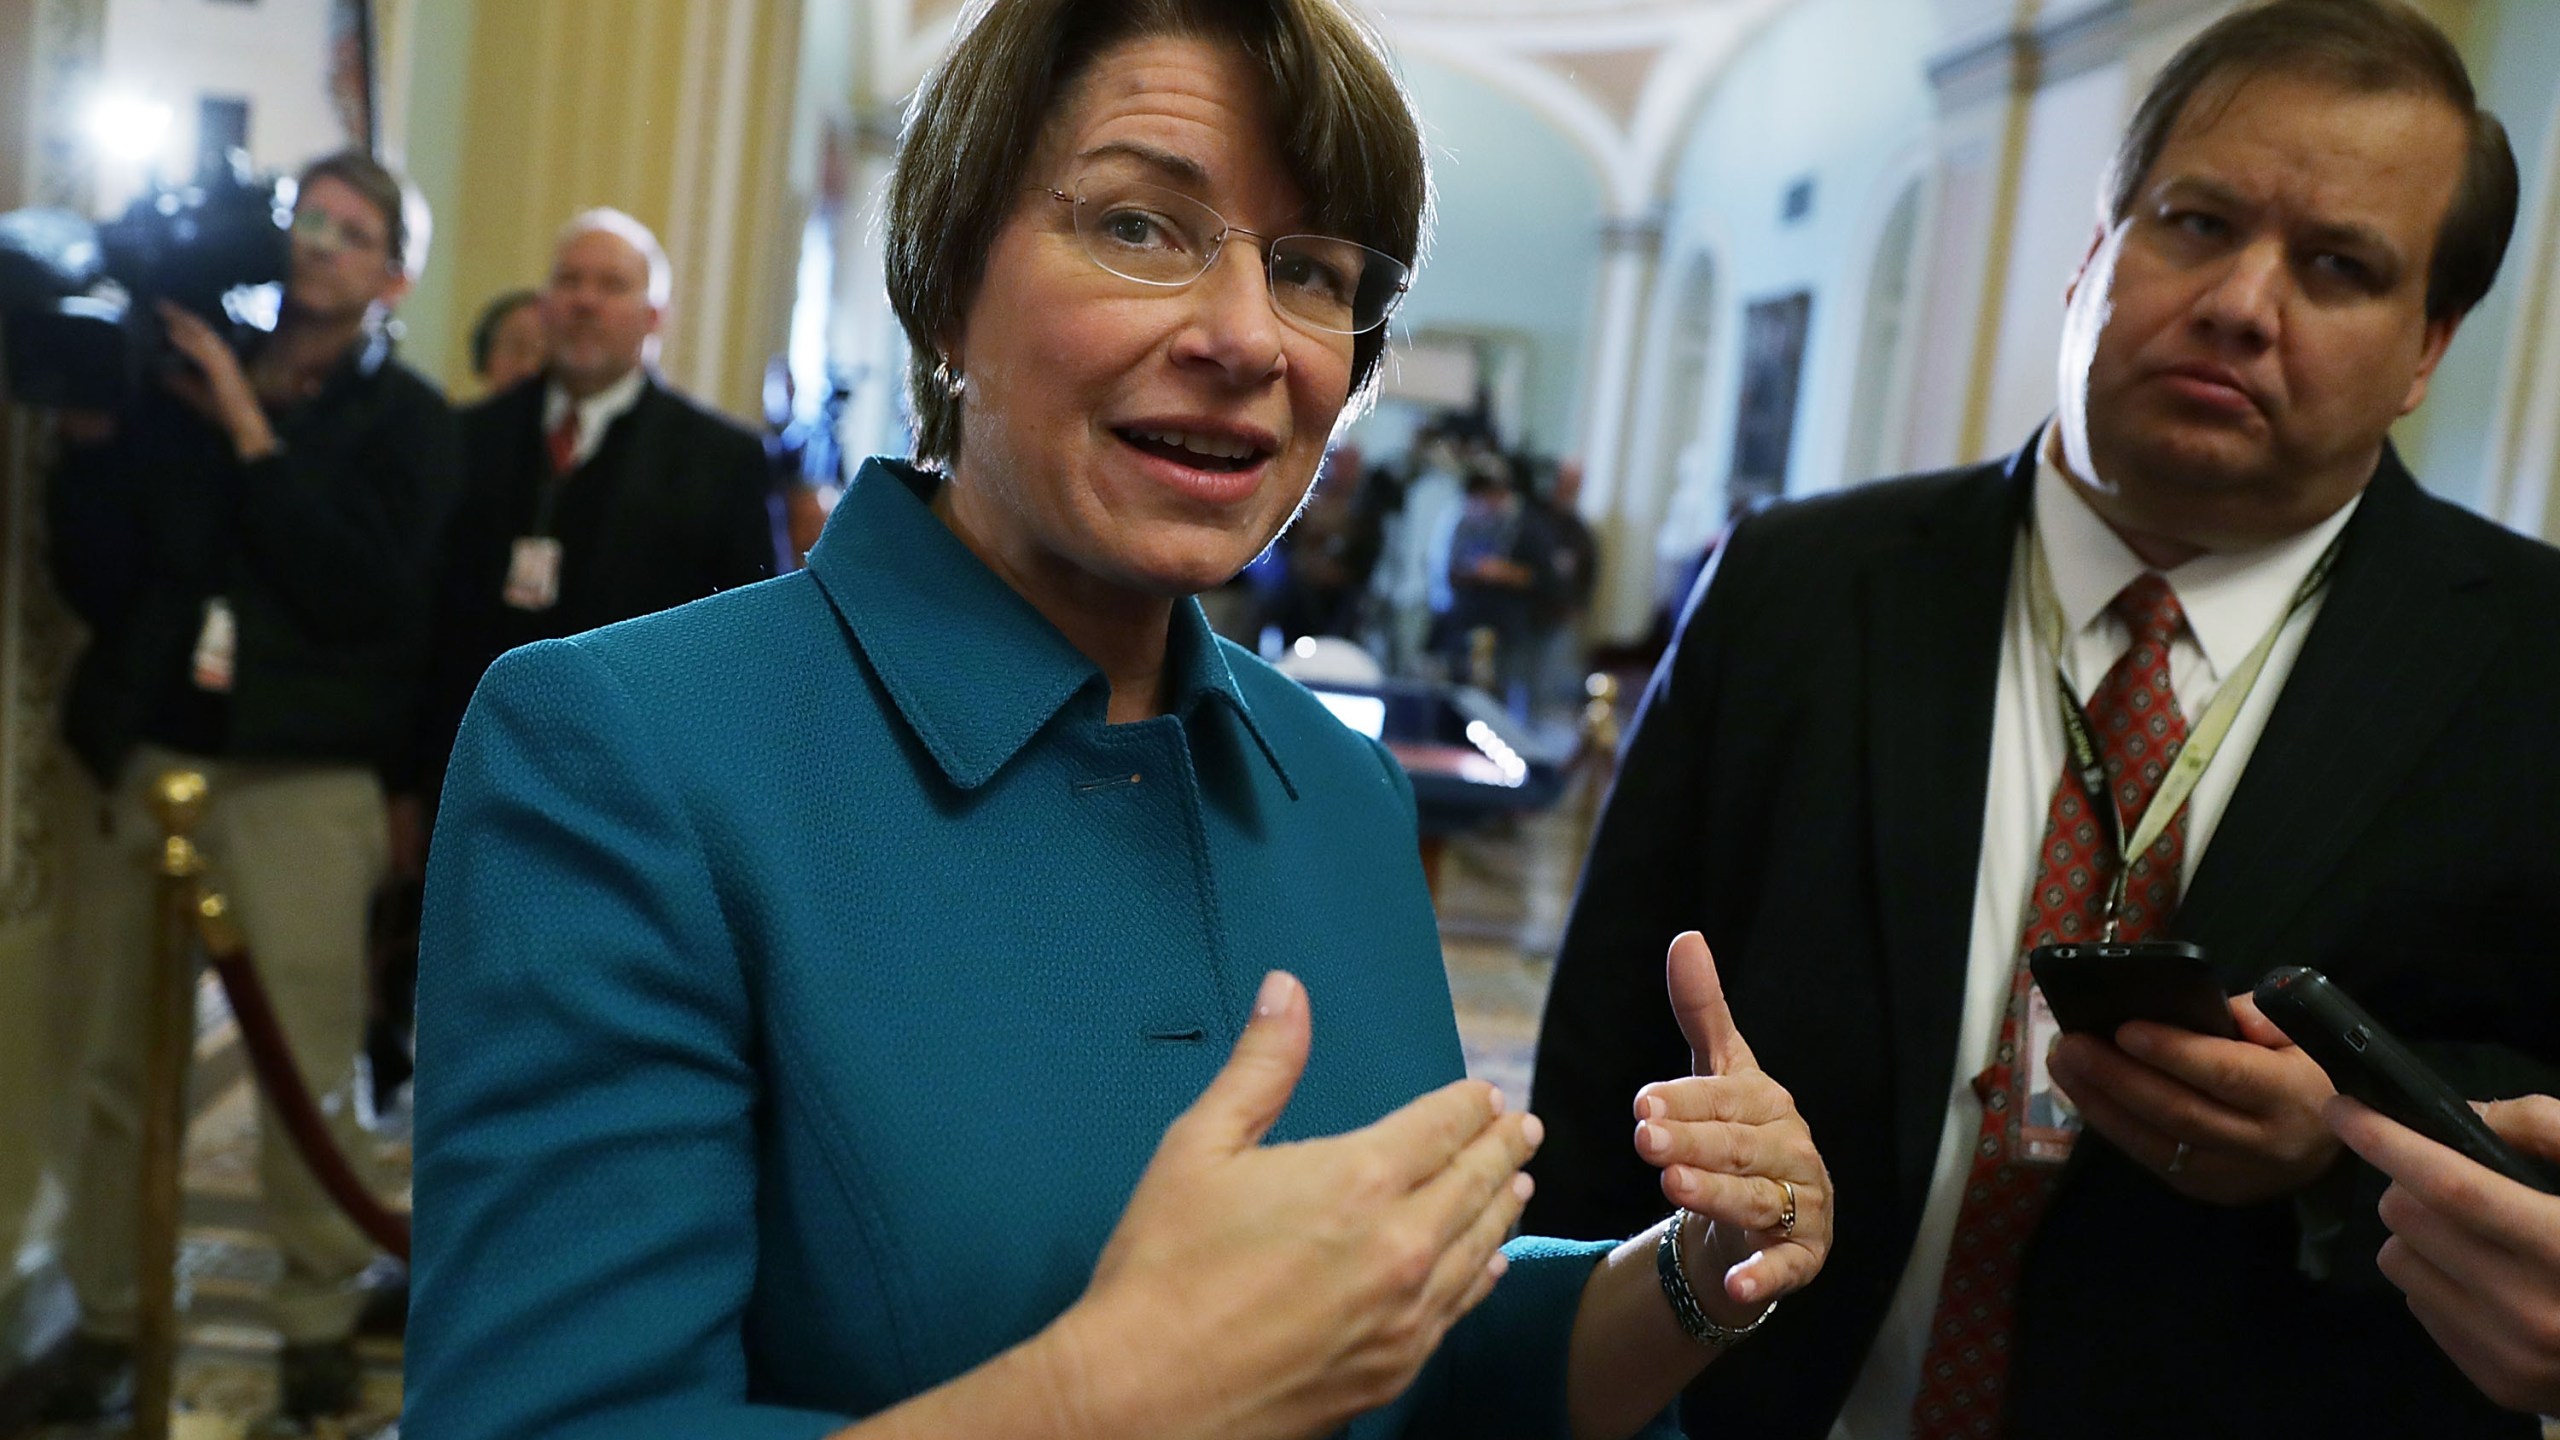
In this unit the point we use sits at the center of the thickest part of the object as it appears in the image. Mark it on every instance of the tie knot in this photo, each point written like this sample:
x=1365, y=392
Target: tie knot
x=2150, y=609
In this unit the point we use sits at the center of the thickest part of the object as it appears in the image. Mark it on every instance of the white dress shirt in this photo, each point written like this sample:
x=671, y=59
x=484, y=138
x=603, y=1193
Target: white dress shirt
x=596, y=413
x=2231, y=601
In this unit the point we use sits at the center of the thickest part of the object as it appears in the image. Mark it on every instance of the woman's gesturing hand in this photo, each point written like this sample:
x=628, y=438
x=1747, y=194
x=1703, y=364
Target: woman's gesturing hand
x=1732, y=1148
x=1255, y=1290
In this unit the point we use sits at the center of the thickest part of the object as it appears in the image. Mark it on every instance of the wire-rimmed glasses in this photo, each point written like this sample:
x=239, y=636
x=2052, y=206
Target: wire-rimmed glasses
x=1157, y=236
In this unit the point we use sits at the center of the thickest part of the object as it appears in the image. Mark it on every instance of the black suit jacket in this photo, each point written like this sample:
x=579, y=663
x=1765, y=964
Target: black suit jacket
x=670, y=508
x=1805, y=786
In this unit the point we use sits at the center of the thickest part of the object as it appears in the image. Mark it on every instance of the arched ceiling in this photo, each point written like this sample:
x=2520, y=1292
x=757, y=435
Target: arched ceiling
x=1622, y=78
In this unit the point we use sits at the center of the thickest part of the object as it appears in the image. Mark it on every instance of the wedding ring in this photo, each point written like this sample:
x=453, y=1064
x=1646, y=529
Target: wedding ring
x=2178, y=1158
x=1787, y=1221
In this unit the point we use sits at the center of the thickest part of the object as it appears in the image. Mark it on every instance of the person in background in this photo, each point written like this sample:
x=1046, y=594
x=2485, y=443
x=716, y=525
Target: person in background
x=508, y=343
x=1326, y=560
x=2477, y=1254
x=1489, y=584
x=2314, y=702
x=1406, y=579
x=806, y=462
x=1566, y=559
x=596, y=492
x=251, y=545
x=947, y=991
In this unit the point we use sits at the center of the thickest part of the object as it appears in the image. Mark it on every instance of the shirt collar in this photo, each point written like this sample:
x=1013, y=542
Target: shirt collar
x=597, y=412
x=973, y=668
x=2232, y=599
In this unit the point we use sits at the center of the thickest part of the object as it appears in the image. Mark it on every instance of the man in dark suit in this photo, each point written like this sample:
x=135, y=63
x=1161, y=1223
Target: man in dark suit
x=596, y=493
x=1851, y=773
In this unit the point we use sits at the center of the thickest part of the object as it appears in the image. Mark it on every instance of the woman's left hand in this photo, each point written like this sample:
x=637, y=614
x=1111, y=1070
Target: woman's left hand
x=1733, y=1150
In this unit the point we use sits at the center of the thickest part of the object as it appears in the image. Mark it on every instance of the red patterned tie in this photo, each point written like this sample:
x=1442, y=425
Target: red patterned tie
x=562, y=442
x=1965, y=1372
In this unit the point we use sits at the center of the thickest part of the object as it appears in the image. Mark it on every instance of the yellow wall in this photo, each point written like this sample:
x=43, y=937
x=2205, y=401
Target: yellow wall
x=677, y=112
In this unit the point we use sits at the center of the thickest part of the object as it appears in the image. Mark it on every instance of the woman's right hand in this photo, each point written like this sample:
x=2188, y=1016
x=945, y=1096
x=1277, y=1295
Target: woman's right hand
x=1277, y=1291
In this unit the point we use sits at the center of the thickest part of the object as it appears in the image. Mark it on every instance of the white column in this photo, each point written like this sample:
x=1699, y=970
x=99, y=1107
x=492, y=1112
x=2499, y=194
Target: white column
x=1630, y=247
x=1630, y=254
x=2524, y=443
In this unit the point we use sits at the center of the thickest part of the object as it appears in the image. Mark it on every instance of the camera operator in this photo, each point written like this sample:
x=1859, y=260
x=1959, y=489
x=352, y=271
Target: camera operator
x=249, y=545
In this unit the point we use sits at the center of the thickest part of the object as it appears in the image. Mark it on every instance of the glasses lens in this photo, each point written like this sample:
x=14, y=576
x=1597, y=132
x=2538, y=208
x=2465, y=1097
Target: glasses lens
x=1157, y=236
x=324, y=231
x=1144, y=232
x=1335, y=285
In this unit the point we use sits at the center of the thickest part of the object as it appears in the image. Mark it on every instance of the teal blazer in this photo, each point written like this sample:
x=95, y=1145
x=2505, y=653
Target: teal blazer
x=810, y=971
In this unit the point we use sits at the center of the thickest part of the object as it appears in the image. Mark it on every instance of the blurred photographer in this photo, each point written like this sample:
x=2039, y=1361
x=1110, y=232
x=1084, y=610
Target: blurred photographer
x=249, y=543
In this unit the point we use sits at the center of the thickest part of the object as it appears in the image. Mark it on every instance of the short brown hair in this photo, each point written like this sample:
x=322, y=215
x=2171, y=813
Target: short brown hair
x=1348, y=139
x=404, y=221
x=2368, y=46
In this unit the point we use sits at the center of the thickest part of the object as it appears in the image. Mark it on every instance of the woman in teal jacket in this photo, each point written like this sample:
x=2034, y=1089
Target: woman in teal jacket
x=946, y=991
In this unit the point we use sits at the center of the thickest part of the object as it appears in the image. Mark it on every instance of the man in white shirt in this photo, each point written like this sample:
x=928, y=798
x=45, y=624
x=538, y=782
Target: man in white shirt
x=1851, y=775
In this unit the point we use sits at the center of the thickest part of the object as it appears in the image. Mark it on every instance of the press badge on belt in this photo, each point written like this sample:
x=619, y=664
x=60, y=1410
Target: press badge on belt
x=533, y=573
x=217, y=644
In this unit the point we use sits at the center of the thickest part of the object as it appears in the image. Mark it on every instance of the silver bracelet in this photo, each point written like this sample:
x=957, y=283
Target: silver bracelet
x=1684, y=1301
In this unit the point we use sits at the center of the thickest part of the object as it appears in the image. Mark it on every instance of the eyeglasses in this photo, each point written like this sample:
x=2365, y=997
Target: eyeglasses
x=1163, y=237
x=328, y=233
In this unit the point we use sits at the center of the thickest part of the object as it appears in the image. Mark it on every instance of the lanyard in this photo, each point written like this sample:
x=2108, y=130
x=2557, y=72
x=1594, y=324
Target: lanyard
x=2204, y=741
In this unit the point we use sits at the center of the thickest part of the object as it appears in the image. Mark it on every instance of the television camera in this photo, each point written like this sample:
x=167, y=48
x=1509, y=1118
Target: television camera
x=79, y=324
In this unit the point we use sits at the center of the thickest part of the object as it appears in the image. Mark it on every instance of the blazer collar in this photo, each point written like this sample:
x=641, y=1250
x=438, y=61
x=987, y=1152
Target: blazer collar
x=971, y=666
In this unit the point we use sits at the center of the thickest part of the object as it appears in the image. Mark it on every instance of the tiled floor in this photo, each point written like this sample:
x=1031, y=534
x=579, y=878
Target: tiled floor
x=226, y=1371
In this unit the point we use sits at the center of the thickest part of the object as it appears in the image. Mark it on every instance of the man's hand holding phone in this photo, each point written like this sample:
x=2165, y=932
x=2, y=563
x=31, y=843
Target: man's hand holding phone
x=2230, y=1122
x=2478, y=1254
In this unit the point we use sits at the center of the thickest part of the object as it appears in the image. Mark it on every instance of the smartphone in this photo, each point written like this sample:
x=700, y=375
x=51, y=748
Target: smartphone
x=2093, y=989
x=2368, y=1062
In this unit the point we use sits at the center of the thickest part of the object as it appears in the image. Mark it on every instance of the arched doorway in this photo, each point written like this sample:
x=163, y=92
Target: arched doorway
x=1880, y=393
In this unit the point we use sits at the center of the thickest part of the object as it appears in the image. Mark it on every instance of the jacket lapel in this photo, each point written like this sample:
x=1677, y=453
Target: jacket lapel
x=2401, y=638
x=1934, y=610
x=645, y=456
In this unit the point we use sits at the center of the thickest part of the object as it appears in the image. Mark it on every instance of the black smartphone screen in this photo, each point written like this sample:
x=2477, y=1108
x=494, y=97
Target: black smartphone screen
x=2093, y=989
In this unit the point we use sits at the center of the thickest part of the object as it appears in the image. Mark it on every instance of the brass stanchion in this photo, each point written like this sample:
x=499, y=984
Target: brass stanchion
x=1596, y=759
x=1483, y=667
x=1600, y=718
x=179, y=800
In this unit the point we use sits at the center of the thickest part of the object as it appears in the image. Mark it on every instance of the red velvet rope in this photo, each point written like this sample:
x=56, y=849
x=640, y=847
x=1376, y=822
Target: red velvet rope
x=272, y=1060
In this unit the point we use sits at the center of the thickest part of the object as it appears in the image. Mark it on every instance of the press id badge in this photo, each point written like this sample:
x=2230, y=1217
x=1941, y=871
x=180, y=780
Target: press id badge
x=533, y=573
x=2048, y=1124
x=217, y=643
